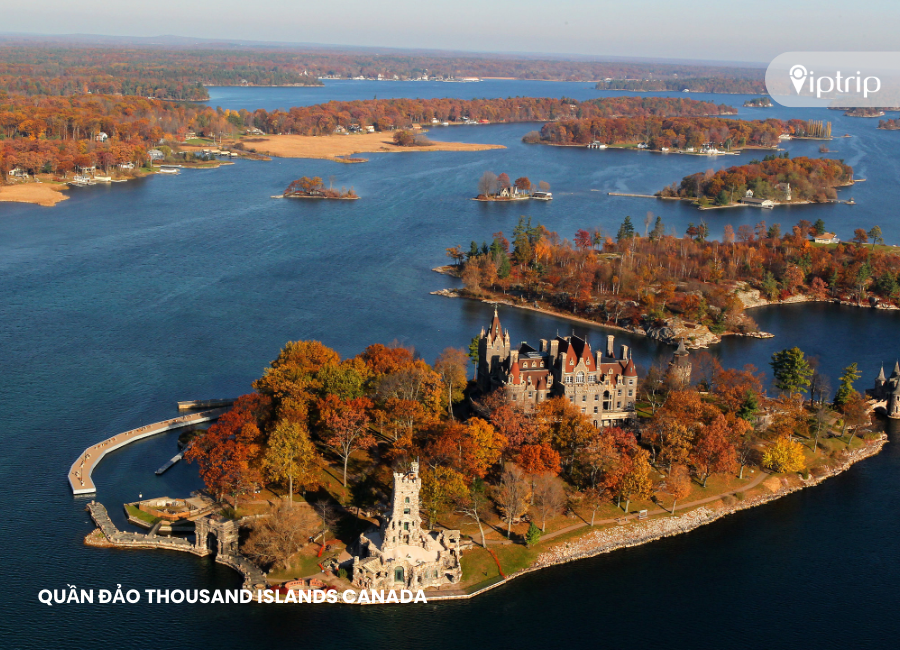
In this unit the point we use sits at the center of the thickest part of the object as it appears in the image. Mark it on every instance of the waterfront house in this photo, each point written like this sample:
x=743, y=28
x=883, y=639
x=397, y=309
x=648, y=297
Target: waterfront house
x=155, y=154
x=758, y=203
x=126, y=165
x=101, y=137
x=596, y=144
x=18, y=172
x=826, y=238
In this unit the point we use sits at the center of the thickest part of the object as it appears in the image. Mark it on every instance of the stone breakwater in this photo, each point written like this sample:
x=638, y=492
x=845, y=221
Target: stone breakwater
x=611, y=539
x=107, y=535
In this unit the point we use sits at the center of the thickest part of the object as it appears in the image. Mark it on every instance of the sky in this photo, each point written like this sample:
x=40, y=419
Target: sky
x=750, y=31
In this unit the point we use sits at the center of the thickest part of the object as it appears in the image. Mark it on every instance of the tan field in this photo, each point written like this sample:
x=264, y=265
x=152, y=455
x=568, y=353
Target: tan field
x=39, y=193
x=330, y=147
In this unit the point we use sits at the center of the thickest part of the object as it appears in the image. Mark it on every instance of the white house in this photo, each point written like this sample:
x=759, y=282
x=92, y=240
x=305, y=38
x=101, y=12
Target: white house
x=156, y=154
x=826, y=238
x=101, y=137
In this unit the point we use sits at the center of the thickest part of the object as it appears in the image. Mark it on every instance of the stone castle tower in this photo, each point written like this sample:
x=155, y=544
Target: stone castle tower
x=679, y=371
x=403, y=523
x=400, y=553
x=493, y=351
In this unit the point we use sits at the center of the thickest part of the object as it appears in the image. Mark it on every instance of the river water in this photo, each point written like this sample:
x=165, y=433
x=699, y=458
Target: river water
x=124, y=299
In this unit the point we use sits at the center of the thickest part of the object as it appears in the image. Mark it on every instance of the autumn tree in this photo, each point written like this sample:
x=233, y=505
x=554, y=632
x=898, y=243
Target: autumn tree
x=275, y=539
x=549, y=497
x=784, y=455
x=713, y=450
x=678, y=484
x=451, y=366
x=637, y=484
x=441, y=488
x=228, y=453
x=346, y=425
x=291, y=456
x=511, y=495
x=473, y=505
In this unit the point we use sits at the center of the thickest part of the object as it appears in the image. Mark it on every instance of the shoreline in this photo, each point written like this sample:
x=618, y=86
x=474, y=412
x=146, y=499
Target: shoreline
x=491, y=300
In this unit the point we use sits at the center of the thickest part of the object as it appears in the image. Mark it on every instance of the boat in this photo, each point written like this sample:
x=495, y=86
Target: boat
x=542, y=196
x=168, y=170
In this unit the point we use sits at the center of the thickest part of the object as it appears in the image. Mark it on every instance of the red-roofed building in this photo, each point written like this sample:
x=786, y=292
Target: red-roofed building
x=602, y=386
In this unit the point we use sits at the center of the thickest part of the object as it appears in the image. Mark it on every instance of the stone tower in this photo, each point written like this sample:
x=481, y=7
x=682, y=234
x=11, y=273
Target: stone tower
x=679, y=372
x=403, y=524
x=493, y=354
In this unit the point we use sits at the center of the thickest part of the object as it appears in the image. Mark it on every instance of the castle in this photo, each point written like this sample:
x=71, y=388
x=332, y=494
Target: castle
x=888, y=390
x=602, y=386
x=400, y=554
x=680, y=367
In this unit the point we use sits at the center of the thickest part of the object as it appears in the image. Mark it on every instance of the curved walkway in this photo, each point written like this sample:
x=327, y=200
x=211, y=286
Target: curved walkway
x=80, y=472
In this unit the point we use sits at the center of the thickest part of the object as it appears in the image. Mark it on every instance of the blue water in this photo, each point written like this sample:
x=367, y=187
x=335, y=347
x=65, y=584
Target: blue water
x=125, y=299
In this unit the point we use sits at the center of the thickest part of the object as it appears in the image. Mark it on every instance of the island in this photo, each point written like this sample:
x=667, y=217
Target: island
x=758, y=102
x=892, y=124
x=380, y=472
x=500, y=188
x=699, y=294
x=693, y=135
x=775, y=180
x=314, y=188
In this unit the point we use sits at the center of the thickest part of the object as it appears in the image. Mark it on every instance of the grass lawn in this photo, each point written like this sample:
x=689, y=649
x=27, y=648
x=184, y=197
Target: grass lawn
x=137, y=513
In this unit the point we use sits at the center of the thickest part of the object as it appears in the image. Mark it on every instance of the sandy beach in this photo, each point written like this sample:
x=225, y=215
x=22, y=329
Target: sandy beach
x=331, y=147
x=38, y=193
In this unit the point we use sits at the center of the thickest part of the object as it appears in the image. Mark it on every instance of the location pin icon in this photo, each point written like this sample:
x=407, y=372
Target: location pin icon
x=798, y=77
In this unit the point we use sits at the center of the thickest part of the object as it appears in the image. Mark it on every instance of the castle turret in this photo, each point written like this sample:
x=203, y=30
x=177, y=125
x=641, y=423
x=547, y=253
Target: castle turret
x=493, y=354
x=879, y=380
x=679, y=371
x=403, y=523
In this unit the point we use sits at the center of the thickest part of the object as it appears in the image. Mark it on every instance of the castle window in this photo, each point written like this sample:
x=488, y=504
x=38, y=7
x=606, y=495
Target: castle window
x=405, y=525
x=398, y=574
x=406, y=511
x=596, y=424
x=618, y=405
x=568, y=379
x=596, y=410
x=530, y=394
x=607, y=400
x=542, y=364
x=597, y=397
x=406, y=500
x=579, y=378
x=584, y=398
x=630, y=392
x=592, y=379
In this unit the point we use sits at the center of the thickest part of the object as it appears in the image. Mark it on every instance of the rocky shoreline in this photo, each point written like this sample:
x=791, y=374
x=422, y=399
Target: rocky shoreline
x=638, y=533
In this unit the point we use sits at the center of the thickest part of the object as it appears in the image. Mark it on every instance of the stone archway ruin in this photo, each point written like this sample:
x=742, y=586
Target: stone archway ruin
x=225, y=531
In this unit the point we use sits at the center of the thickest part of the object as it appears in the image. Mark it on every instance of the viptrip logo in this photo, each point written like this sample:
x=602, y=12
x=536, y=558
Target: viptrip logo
x=825, y=85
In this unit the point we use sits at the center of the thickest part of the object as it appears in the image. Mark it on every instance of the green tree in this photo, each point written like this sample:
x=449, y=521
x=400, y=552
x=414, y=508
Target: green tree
x=845, y=390
x=819, y=227
x=533, y=535
x=792, y=371
x=626, y=230
x=875, y=236
x=473, y=353
x=749, y=407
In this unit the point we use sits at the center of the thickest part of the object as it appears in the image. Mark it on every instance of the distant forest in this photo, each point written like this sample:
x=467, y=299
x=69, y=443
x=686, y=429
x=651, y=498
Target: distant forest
x=178, y=73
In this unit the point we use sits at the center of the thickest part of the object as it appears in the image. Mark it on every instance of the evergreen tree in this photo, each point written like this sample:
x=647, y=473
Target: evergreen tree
x=473, y=251
x=473, y=353
x=845, y=391
x=626, y=230
x=791, y=370
x=750, y=406
x=533, y=535
x=819, y=227
x=658, y=230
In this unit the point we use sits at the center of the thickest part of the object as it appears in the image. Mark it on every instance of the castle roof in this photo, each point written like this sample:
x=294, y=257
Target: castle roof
x=681, y=351
x=896, y=372
x=496, y=331
x=573, y=349
x=880, y=376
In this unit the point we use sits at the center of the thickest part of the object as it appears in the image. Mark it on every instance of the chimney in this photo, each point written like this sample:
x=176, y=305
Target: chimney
x=543, y=347
x=554, y=350
x=624, y=353
x=610, y=346
x=513, y=356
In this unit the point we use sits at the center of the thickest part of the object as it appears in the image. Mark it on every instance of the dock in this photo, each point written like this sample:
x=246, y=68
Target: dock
x=204, y=404
x=168, y=465
x=80, y=472
x=640, y=196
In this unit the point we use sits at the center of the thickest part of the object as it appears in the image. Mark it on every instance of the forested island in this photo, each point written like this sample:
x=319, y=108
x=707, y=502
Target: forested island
x=758, y=102
x=314, y=188
x=672, y=287
x=776, y=178
x=889, y=125
x=738, y=82
x=657, y=133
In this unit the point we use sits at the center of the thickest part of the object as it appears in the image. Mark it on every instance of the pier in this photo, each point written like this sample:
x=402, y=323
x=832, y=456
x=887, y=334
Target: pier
x=204, y=404
x=80, y=472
